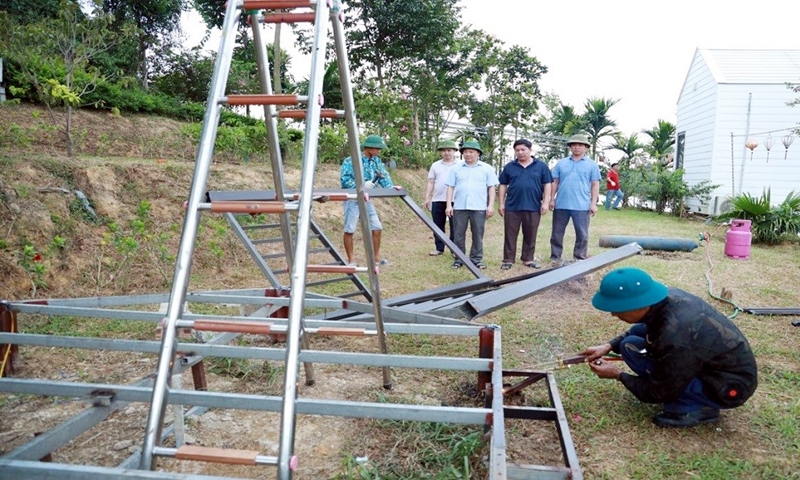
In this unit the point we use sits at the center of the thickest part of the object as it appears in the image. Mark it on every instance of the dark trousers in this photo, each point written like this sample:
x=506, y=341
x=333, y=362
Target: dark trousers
x=440, y=220
x=476, y=220
x=512, y=221
x=580, y=220
x=691, y=400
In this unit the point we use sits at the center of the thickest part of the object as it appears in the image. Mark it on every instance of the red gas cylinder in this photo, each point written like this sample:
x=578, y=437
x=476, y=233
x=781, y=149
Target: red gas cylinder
x=738, y=239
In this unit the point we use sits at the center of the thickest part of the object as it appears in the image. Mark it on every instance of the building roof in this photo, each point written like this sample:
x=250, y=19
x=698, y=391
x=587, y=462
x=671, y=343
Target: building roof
x=753, y=66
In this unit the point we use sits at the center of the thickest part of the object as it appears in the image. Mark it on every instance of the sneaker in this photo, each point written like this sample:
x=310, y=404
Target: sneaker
x=684, y=420
x=532, y=265
x=435, y=253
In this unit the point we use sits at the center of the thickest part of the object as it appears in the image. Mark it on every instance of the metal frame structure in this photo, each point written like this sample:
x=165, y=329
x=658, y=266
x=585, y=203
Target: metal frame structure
x=444, y=312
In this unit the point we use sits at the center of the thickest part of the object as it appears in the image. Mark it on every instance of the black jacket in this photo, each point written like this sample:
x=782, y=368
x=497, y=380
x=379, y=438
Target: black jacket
x=687, y=338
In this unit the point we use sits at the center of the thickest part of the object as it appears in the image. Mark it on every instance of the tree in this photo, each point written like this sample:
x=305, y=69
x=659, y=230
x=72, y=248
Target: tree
x=596, y=122
x=156, y=21
x=629, y=146
x=511, y=95
x=30, y=11
x=385, y=37
x=54, y=56
x=662, y=138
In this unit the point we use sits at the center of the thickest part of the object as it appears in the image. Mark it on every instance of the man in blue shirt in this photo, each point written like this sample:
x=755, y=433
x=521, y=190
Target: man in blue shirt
x=576, y=186
x=470, y=200
x=523, y=197
x=375, y=174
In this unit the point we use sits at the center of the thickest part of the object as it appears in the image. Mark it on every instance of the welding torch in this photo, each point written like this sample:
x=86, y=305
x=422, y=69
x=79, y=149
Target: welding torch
x=567, y=362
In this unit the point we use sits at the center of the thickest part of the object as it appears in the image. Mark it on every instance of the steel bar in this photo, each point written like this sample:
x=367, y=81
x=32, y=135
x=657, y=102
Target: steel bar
x=29, y=470
x=492, y=301
x=338, y=408
x=426, y=219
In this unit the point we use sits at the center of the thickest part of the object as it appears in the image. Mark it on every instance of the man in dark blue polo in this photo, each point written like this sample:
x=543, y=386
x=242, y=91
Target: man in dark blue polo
x=523, y=197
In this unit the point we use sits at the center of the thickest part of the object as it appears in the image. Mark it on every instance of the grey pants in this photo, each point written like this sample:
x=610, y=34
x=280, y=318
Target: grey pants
x=580, y=220
x=476, y=220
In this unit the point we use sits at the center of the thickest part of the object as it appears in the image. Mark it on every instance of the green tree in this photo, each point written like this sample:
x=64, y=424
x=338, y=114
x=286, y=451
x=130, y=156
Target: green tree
x=156, y=21
x=662, y=138
x=510, y=97
x=385, y=37
x=596, y=121
x=30, y=11
x=629, y=146
x=54, y=56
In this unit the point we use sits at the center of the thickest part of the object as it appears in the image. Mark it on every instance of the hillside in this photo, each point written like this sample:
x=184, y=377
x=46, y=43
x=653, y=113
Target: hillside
x=130, y=168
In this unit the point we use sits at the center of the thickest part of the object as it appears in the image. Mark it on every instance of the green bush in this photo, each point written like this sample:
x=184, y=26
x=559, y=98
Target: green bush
x=665, y=188
x=769, y=224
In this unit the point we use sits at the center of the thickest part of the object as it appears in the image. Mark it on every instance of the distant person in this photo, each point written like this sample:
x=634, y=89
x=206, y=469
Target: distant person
x=684, y=353
x=375, y=175
x=436, y=192
x=613, y=188
x=523, y=197
x=576, y=187
x=470, y=201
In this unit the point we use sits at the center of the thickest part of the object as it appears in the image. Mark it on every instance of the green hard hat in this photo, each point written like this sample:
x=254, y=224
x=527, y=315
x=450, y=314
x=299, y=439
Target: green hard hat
x=373, y=141
x=471, y=144
x=447, y=144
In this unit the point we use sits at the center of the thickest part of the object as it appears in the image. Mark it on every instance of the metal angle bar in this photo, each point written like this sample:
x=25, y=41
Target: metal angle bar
x=305, y=406
x=113, y=301
x=67, y=431
x=497, y=461
x=255, y=353
x=426, y=219
x=489, y=302
x=337, y=255
x=391, y=314
x=567, y=446
x=61, y=471
x=252, y=250
x=436, y=293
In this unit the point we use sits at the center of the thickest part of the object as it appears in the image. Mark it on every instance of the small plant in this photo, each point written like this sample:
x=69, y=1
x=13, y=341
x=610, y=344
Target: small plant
x=769, y=224
x=33, y=263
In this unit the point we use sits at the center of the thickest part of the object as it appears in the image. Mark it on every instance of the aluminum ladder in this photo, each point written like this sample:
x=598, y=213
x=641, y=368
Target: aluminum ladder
x=300, y=205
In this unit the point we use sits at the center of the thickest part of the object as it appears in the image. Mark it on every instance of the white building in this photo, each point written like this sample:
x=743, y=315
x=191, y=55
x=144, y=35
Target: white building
x=731, y=98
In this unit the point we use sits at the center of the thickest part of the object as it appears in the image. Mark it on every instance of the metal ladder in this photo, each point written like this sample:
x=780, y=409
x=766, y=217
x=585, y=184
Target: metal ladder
x=300, y=204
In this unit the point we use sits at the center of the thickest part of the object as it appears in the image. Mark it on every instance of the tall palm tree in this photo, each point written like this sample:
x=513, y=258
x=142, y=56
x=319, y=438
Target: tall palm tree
x=662, y=139
x=597, y=122
x=629, y=146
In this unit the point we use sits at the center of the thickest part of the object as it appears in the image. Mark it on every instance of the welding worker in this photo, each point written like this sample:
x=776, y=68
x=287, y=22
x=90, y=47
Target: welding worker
x=684, y=353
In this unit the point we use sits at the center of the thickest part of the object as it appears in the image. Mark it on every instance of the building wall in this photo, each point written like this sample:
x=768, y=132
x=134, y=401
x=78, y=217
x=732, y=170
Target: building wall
x=696, y=119
x=718, y=118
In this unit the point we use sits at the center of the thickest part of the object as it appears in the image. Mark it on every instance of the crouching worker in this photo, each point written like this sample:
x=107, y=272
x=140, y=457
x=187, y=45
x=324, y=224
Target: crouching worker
x=685, y=354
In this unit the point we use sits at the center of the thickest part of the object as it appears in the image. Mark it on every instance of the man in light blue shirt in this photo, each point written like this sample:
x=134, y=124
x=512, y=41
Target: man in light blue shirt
x=576, y=187
x=470, y=200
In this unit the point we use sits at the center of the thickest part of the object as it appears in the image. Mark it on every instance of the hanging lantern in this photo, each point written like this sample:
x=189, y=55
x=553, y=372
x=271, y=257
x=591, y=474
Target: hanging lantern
x=768, y=145
x=751, y=144
x=787, y=140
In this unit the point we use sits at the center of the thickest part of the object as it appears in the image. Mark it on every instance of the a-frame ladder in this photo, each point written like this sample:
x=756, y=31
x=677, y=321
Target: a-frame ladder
x=322, y=11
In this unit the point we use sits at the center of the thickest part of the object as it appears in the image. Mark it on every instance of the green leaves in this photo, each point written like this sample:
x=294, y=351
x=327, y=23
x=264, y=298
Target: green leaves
x=769, y=224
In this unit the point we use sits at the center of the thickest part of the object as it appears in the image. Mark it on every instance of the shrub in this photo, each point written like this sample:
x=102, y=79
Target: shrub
x=665, y=188
x=769, y=224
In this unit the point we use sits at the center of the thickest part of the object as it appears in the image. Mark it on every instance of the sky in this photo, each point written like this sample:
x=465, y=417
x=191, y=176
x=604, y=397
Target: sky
x=636, y=52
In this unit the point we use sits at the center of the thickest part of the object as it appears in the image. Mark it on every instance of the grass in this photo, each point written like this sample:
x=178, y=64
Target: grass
x=612, y=431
